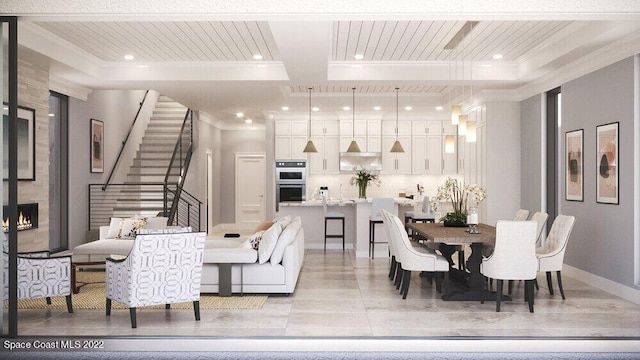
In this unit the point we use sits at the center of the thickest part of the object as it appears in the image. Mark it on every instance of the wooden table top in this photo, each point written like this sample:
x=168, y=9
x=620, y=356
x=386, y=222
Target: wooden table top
x=455, y=235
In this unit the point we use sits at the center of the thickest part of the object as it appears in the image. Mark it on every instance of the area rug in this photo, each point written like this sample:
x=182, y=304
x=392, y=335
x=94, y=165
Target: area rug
x=92, y=297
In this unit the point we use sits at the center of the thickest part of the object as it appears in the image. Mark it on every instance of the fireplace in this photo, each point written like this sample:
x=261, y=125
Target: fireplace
x=27, y=217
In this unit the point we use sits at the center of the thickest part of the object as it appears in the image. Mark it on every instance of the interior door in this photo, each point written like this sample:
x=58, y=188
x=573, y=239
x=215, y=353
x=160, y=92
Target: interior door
x=250, y=190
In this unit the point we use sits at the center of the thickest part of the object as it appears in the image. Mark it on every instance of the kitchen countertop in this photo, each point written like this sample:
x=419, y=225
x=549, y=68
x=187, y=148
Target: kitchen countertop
x=347, y=202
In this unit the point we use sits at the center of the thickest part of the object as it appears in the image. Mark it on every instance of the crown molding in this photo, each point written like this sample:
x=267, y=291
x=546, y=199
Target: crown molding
x=68, y=88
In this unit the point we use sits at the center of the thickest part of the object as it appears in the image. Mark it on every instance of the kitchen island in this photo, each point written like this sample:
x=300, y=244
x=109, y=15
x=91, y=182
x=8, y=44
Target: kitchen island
x=357, y=213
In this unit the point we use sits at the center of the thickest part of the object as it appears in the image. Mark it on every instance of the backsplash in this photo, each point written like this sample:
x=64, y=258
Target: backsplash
x=391, y=185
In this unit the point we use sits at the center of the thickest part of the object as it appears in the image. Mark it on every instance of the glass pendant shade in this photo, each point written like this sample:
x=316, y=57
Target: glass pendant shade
x=471, y=132
x=310, y=148
x=462, y=125
x=449, y=144
x=397, y=147
x=353, y=147
x=455, y=113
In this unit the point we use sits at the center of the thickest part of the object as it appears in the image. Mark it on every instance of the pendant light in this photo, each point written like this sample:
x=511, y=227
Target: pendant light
x=310, y=148
x=397, y=147
x=353, y=147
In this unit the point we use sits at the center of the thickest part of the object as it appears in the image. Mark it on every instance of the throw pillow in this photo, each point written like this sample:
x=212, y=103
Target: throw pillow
x=263, y=226
x=253, y=241
x=286, y=238
x=284, y=221
x=129, y=227
x=268, y=243
x=114, y=228
x=159, y=222
x=148, y=231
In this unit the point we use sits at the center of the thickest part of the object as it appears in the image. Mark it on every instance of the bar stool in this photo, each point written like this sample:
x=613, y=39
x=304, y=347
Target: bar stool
x=332, y=215
x=426, y=215
x=377, y=205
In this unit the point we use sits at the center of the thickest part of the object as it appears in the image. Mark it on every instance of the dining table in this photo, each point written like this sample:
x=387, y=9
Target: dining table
x=486, y=235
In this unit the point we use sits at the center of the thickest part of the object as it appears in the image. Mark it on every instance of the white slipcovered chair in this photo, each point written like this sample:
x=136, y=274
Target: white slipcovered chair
x=540, y=218
x=425, y=215
x=160, y=269
x=550, y=256
x=39, y=275
x=521, y=215
x=513, y=258
x=413, y=258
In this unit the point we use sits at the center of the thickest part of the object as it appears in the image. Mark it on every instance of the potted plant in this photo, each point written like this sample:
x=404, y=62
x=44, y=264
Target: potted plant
x=458, y=195
x=362, y=178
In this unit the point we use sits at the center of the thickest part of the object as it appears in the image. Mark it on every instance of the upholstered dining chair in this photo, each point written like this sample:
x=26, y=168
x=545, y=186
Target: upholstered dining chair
x=377, y=205
x=414, y=258
x=541, y=219
x=424, y=215
x=521, y=215
x=513, y=258
x=550, y=256
x=160, y=269
x=39, y=275
x=393, y=253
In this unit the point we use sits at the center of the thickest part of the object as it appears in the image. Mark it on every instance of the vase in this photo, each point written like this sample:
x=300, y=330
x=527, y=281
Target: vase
x=362, y=190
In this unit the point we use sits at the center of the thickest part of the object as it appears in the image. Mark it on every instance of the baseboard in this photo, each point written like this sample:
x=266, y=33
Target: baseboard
x=612, y=287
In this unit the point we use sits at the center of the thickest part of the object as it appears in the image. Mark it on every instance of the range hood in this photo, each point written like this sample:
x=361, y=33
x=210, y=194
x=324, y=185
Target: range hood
x=369, y=160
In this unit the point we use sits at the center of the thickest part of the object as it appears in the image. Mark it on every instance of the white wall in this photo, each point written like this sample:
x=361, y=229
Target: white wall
x=117, y=109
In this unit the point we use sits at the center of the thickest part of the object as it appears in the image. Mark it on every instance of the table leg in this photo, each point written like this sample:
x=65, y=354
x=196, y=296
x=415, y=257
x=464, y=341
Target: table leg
x=476, y=291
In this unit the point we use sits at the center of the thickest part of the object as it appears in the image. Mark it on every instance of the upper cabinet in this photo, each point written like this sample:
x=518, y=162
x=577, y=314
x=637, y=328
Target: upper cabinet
x=290, y=139
x=366, y=132
x=326, y=137
x=396, y=163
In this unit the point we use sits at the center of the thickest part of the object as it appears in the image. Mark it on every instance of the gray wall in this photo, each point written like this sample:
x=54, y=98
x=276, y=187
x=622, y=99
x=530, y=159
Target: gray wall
x=117, y=109
x=530, y=139
x=206, y=138
x=235, y=141
x=602, y=241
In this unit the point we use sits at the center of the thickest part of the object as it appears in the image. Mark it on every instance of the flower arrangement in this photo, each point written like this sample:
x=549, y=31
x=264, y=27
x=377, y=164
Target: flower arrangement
x=362, y=178
x=458, y=195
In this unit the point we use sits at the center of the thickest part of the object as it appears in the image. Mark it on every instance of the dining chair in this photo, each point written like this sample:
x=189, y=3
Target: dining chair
x=513, y=258
x=415, y=258
x=393, y=252
x=550, y=256
x=521, y=215
x=377, y=205
x=541, y=219
x=425, y=215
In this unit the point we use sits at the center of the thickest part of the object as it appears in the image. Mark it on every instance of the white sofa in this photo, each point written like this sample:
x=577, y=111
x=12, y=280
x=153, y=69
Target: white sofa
x=256, y=278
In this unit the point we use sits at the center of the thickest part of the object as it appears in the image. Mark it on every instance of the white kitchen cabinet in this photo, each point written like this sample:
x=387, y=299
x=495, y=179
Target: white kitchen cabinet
x=426, y=154
x=396, y=163
x=389, y=128
x=290, y=139
x=367, y=134
x=325, y=136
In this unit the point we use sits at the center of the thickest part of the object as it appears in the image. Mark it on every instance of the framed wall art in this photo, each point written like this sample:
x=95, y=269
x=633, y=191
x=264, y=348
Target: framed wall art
x=26, y=143
x=574, y=166
x=607, y=184
x=97, y=146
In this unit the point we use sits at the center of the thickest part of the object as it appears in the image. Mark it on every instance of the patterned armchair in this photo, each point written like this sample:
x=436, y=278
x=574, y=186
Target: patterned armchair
x=39, y=276
x=160, y=269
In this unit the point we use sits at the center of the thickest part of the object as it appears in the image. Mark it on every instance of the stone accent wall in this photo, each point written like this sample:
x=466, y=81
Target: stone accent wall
x=33, y=92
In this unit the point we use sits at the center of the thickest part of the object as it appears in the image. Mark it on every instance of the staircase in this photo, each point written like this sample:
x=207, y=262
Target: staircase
x=143, y=193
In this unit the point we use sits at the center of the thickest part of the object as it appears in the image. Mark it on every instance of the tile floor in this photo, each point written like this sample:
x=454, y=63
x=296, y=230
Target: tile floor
x=339, y=295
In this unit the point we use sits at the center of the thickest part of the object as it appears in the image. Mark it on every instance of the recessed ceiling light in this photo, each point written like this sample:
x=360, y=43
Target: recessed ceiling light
x=315, y=108
x=6, y=108
x=239, y=114
x=439, y=108
x=143, y=66
x=408, y=108
x=129, y=57
x=257, y=57
x=497, y=56
x=358, y=57
x=248, y=121
x=346, y=108
x=377, y=108
x=52, y=115
x=285, y=108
